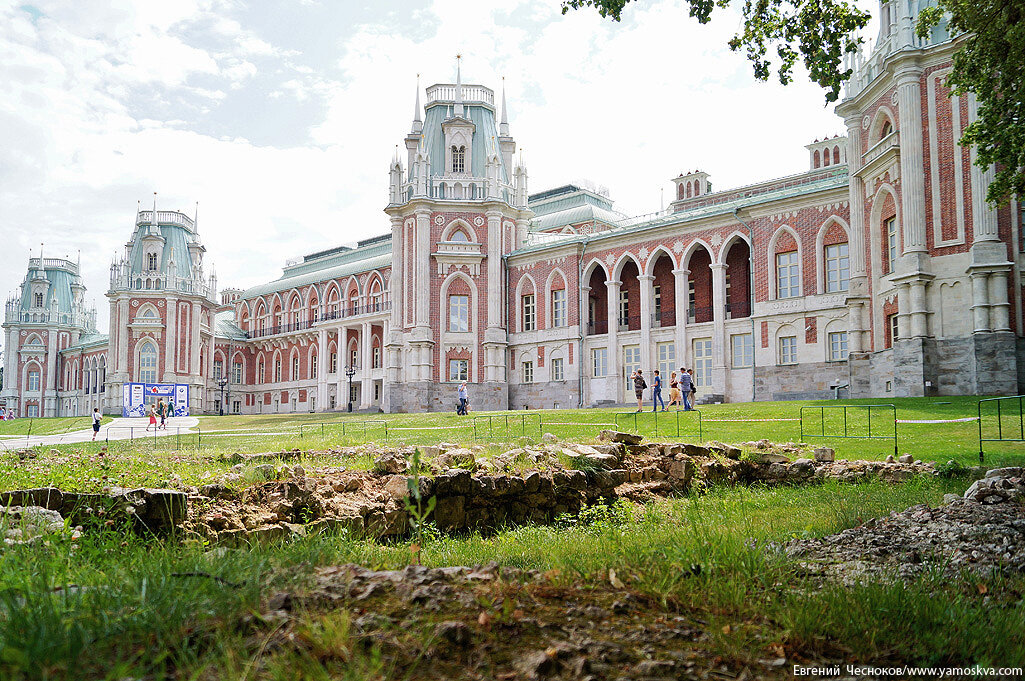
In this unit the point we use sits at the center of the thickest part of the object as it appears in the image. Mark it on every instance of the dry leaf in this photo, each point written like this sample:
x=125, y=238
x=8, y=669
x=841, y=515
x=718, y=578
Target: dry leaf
x=983, y=589
x=484, y=619
x=726, y=629
x=615, y=581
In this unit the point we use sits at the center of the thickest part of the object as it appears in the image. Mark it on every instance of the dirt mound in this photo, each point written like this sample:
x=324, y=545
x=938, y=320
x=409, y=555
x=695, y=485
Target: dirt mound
x=492, y=623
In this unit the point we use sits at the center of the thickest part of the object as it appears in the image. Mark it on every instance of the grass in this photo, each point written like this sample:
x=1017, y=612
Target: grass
x=198, y=457
x=128, y=616
x=46, y=426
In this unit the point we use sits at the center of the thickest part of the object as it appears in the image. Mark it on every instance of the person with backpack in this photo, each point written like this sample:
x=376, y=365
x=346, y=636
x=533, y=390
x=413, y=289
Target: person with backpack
x=656, y=393
x=639, y=385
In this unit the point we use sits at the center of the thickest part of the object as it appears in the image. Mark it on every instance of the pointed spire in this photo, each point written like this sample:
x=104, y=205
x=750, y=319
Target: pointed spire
x=459, y=88
x=503, y=128
x=153, y=221
x=418, y=124
x=195, y=218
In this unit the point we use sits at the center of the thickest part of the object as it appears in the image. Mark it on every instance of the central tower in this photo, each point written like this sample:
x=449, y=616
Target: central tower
x=458, y=204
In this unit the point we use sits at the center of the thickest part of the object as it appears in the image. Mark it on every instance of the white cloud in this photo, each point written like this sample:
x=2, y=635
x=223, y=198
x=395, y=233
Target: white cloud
x=103, y=104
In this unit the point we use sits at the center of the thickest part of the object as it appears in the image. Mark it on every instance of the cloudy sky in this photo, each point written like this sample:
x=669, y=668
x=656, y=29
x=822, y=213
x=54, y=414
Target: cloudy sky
x=280, y=117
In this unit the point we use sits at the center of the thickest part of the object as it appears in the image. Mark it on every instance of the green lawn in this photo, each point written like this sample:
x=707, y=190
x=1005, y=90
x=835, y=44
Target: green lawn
x=47, y=426
x=700, y=559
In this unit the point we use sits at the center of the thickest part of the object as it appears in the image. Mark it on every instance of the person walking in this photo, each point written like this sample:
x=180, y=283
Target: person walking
x=656, y=392
x=693, y=388
x=97, y=417
x=162, y=413
x=685, y=386
x=463, y=399
x=152, y=418
x=639, y=385
x=674, y=390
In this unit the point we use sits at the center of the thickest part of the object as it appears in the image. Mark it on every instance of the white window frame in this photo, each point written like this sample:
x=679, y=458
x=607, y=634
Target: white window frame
x=666, y=354
x=838, y=350
x=788, y=275
x=146, y=369
x=631, y=363
x=558, y=369
x=33, y=382
x=237, y=373
x=559, y=307
x=894, y=329
x=742, y=350
x=459, y=313
x=891, y=244
x=527, y=369
x=702, y=362
x=458, y=370
x=838, y=267
x=599, y=362
x=528, y=310
x=787, y=346
x=295, y=368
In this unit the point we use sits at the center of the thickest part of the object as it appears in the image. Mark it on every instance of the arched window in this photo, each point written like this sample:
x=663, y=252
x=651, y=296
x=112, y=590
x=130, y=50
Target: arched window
x=836, y=155
x=148, y=363
x=458, y=159
x=697, y=188
x=38, y=302
x=679, y=191
x=838, y=268
x=825, y=157
x=295, y=368
x=277, y=370
x=151, y=262
x=817, y=159
x=459, y=235
x=788, y=282
x=688, y=190
x=886, y=130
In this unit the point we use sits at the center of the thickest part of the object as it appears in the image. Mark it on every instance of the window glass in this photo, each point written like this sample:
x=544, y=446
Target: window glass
x=528, y=372
x=631, y=363
x=838, y=346
x=702, y=362
x=666, y=361
x=559, y=308
x=459, y=313
x=599, y=362
x=788, y=350
x=891, y=244
x=788, y=283
x=838, y=268
x=33, y=380
x=148, y=364
x=529, y=313
x=743, y=350
x=558, y=370
x=458, y=370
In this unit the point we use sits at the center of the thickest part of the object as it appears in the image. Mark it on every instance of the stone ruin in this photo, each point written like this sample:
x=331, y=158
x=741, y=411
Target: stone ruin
x=533, y=484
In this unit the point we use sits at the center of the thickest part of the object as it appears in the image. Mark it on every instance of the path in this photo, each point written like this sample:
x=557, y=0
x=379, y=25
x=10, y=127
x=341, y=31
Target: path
x=117, y=429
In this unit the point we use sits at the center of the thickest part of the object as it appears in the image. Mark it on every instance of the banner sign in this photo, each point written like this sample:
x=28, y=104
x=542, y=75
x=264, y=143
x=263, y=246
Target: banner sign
x=138, y=396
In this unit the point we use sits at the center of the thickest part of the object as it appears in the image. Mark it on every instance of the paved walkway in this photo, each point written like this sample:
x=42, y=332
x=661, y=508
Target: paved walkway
x=118, y=429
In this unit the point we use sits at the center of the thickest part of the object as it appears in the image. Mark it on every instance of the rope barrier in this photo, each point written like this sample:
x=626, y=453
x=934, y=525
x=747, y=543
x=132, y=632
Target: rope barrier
x=747, y=420
x=964, y=420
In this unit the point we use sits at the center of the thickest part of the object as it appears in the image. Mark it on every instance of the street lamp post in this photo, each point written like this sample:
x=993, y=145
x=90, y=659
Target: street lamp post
x=222, y=381
x=350, y=371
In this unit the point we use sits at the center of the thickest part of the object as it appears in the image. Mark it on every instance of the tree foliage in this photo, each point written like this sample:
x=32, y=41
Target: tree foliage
x=990, y=64
x=819, y=32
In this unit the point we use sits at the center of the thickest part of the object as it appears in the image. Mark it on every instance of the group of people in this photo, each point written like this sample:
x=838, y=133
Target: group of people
x=164, y=411
x=7, y=414
x=682, y=390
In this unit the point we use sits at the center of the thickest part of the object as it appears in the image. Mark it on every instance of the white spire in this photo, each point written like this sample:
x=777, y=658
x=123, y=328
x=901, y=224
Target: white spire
x=418, y=124
x=153, y=221
x=195, y=219
x=459, y=88
x=503, y=128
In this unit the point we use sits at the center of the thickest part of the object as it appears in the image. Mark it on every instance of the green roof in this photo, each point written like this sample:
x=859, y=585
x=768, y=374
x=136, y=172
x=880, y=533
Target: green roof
x=332, y=264
x=226, y=327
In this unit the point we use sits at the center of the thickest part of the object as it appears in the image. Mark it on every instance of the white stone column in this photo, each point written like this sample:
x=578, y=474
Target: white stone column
x=584, y=306
x=395, y=289
x=124, y=338
x=341, y=385
x=984, y=216
x=854, y=328
x=615, y=358
x=903, y=312
x=323, y=364
x=999, y=306
x=718, y=314
x=494, y=291
x=49, y=406
x=366, y=366
x=980, y=301
x=919, y=310
x=856, y=199
x=170, y=340
x=912, y=168
x=423, y=268
x=647, y=351
x=681, y=286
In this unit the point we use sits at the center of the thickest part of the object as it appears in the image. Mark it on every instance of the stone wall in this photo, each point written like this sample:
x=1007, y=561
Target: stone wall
x=544, y=395
x=799, y=381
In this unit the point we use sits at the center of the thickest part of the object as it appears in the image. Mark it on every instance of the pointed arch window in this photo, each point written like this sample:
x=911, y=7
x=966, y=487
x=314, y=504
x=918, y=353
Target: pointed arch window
x=886, y=130
x=38, y=302
x=459, y=235
x=148, y=363
x=458, y=159
x=151, y=262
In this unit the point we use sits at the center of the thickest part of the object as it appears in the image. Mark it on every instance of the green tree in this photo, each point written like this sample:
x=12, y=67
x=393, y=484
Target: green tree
x=819, y=32
x=989, y=63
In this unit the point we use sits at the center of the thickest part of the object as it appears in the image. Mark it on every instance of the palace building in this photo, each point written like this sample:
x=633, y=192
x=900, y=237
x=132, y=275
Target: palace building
x=879, y=270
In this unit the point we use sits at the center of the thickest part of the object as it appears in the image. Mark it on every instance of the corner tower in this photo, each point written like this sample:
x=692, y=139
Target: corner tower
x=162, y=308
x=456, y=208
